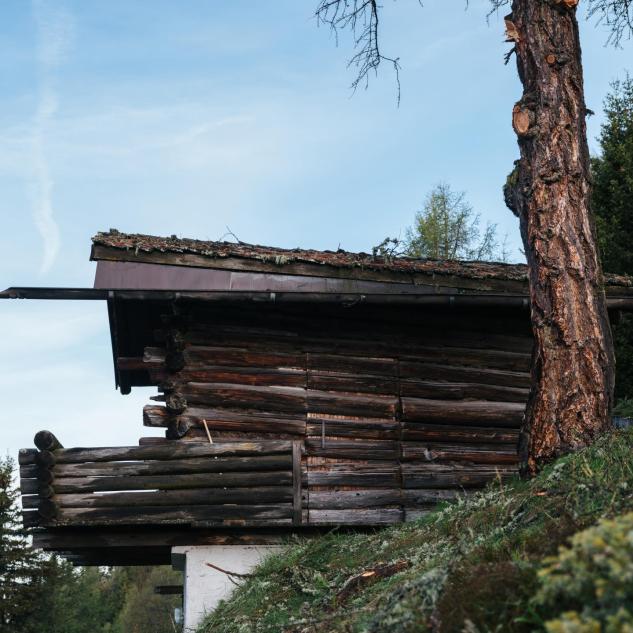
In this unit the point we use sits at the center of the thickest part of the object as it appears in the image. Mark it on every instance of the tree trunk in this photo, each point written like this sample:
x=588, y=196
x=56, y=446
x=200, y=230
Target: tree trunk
x=549, y=190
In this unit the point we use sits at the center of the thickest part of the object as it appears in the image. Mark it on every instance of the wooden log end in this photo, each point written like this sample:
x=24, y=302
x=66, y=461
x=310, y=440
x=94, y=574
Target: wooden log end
x=46, y=441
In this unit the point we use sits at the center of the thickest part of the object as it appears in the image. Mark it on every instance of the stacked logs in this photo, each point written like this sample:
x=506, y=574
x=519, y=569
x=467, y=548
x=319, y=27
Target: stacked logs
x=397, y=409
x=194, y=484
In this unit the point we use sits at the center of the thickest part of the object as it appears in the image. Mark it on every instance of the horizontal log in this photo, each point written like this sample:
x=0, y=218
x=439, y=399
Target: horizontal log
x=34, y=487
x=29, y=471
x=456, y=373
x=363, y=476
x=174, y=450
x=448, y=475
x=374, y=516
x=251, y=421
x=197, y=356
x=26, y=456
x=153, y=515
x=362, y=428
x=493, y=359
x=175, y=466
x=351, y=404
x=197, y=496
x=503, y=414
x=139, y=538
x=461, y=391
x=352, y=364
x=359, y=449
x=152, y=441
x=243, y=376
x=353, y=384
x=31, y=519
x=29, y=502
x=431, y=452
x=131, y=363
x=413, y=431
x=344, y=499
x=357, y=337
x=67, y=485
x=285, y=399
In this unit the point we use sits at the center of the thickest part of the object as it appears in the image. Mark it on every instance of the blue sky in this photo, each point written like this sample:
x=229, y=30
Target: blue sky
x=185, y=117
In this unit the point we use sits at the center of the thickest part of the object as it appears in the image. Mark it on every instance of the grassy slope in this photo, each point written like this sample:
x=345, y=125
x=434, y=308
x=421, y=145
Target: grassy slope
x=472, y=564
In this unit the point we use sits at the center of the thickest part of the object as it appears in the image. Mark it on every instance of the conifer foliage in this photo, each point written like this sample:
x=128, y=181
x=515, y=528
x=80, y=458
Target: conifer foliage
x=18, y=563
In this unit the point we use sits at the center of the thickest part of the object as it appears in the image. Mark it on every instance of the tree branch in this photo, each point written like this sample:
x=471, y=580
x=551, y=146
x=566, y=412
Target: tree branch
x=361, y=17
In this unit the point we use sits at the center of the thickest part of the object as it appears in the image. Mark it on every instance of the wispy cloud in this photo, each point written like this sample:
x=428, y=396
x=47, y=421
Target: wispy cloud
x=54, y=37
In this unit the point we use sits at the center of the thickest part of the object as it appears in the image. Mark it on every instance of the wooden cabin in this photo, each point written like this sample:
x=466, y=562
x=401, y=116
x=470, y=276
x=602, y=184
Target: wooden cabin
x=298, y=390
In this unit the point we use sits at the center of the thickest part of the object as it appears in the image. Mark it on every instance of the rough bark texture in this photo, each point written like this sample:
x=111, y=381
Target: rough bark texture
x=573, y=363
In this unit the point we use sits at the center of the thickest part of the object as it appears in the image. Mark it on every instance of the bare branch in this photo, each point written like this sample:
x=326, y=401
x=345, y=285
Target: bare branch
x=361, y=17
x=617, y=15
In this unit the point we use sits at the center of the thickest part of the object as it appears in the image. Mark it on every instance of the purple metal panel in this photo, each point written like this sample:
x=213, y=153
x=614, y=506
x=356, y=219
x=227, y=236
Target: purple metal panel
x=141, y=276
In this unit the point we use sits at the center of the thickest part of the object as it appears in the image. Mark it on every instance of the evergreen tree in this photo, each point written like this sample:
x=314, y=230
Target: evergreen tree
x=613, y=180
x=613, y=208
x=448, y=228
x=18, y=563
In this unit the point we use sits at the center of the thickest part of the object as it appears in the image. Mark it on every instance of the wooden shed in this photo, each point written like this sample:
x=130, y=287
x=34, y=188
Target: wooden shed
x=298, y=390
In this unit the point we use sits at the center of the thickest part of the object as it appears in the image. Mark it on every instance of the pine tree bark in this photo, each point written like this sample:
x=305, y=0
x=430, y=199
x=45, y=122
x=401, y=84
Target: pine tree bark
x=573, y=365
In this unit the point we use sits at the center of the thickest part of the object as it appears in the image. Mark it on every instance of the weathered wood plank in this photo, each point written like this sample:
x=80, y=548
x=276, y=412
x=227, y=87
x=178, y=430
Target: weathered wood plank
x=196, y=496
x=372, y=516
x=446, y=433
x=174, y=450
x=236, y=375
x=483, y=412
x=197, y=356
x=174, y=467
x=348, y=499
x=457, y=373
x=433, y=452
x=353, y=384
x=158, y=515
x=247, y=420
x=357, y=448
x=351, y=404
x=352, y=364
x=67, y=485
x=462, y=391
x=376, y=475
x=449, y=475
x=362, y=428
x=285, y=399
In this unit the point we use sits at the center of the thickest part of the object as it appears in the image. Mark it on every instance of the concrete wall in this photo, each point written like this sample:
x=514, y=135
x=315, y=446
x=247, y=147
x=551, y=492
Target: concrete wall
x=204, y=587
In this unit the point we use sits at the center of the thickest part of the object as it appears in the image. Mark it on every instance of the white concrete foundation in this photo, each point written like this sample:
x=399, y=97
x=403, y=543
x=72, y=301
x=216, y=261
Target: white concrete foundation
x=204, y=587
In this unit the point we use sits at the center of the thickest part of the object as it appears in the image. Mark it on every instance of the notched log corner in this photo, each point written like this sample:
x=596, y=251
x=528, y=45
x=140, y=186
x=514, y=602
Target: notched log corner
x=177, y=429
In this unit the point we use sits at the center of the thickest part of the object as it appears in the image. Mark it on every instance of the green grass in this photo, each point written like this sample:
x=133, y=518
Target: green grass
x=478, y=565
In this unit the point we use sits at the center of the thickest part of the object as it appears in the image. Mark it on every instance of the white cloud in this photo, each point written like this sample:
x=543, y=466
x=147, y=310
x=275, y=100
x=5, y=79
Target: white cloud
x=54, y=37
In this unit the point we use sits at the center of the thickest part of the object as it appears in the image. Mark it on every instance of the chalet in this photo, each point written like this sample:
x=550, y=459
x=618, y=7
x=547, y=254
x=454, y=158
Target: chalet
x=297, y=389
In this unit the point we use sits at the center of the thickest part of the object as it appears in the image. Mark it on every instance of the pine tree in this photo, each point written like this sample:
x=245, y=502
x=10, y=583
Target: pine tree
x=613, y=207
x=19, y=565
x=613, y=180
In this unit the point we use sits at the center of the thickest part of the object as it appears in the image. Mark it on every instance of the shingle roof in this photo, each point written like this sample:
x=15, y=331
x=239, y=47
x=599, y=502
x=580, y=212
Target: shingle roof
x=132, y=245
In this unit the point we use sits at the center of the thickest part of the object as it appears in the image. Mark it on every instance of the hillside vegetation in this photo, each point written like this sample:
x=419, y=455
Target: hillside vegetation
x=554, y=553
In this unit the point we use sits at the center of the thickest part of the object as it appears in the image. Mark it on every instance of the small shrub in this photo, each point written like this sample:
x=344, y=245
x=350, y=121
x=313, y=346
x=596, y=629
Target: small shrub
x=589, y=586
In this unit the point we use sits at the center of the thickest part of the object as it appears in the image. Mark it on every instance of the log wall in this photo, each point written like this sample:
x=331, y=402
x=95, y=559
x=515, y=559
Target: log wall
x=396, y=408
